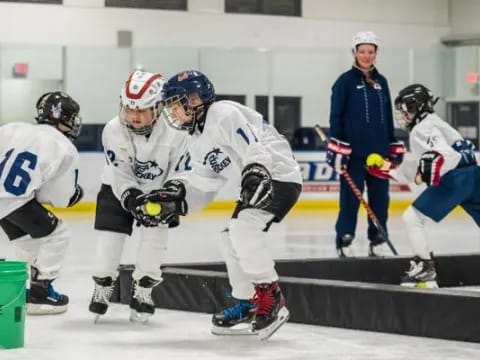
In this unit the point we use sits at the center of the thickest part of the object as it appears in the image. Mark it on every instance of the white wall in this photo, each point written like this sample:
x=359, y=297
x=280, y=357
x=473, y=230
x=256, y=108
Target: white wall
x=464, y=17
x=243, y=54
x=75, y=25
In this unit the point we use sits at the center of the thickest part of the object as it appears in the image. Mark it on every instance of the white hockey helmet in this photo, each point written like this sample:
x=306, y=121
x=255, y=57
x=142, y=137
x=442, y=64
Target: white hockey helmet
x=141, y=91
x=364, y=37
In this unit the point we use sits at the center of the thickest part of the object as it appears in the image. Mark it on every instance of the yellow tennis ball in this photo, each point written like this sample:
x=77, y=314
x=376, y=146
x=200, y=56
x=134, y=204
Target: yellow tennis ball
x=152, y=209
x=375, y=160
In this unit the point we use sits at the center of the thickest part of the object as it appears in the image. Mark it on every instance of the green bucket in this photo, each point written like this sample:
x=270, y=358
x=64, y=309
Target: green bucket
x=13, y=278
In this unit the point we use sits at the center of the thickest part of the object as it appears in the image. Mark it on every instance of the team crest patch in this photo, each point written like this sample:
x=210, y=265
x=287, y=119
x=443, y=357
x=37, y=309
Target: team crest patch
x=217, y=160
x=147, y=169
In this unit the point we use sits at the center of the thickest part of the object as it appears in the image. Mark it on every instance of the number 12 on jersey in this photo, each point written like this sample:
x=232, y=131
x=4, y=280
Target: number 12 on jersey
x=17, y=178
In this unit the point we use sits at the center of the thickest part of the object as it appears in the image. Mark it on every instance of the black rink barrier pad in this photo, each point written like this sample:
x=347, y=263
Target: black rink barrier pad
x=358, y=293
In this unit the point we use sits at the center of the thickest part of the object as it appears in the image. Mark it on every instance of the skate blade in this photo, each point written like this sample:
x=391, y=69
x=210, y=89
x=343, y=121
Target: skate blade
x=139, y=318
x=96, y=319
x=43, y=309
x=282, y=318
x=422, y=285
x=239, y=329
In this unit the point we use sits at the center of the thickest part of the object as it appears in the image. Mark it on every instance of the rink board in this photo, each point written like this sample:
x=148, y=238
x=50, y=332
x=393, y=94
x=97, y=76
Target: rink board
x=353, y=293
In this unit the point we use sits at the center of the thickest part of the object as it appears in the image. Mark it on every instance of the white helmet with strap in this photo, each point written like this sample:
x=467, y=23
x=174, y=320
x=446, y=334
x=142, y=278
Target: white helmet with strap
x=364, y=37
x=141, y=91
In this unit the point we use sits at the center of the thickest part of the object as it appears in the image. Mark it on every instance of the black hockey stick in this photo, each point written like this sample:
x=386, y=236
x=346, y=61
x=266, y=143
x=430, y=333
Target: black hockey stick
x=359, y=196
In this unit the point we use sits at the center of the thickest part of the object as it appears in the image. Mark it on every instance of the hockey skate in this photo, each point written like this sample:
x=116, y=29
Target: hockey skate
x=378, y=247
x=101, y=296
x=270, y=311
x=234, y=320
x=346, y=249
x=42, y=299
x=421, y=274
x=141, y=303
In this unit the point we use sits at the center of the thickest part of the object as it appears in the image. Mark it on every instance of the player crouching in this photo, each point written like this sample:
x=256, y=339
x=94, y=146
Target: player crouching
x=442, y=159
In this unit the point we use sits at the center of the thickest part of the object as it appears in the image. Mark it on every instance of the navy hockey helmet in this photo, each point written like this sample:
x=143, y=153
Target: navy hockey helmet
x=56, y=108
x=413, y=104
x=179, y=89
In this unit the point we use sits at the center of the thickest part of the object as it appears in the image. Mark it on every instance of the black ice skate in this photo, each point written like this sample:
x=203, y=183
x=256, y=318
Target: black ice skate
x=270, y=310
x=234, y=320
x=141, y=303
x=42, y=299
x=421, y=274
x=101, y=295
x=378, y=247
x=345, y=250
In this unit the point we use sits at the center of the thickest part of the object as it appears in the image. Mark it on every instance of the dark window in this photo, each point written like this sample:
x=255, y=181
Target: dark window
x=90, y=138
x=287, y=111
x=265, y=7
x=464, y=117
x=238, y=98
x=261, y=105
x=149, y=4
x=60, y=2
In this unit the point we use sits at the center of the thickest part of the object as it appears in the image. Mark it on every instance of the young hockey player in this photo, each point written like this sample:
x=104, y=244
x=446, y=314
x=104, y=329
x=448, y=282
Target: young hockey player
x=141, y=151
x=39, y=165
x=232, y=141
x=445, y=162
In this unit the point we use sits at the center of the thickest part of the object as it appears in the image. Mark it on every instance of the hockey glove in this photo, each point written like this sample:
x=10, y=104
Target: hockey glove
x=133, y=201
x=429, y=167
x=397, y=151
x=467, y=150
x=77, y=196
x=338, y=153
x=172, y=201
x=257, y=190
x=380, y=173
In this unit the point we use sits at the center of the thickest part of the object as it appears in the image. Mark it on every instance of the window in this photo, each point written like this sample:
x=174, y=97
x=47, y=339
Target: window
x=238, y=98
x=149, y=4
x=287, y=111
x=90, y=138
x=265, y=7
x=59, y=2
x=261, y=105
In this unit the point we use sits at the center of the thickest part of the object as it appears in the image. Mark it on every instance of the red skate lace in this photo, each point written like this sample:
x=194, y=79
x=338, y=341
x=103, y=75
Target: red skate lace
x=264, y=299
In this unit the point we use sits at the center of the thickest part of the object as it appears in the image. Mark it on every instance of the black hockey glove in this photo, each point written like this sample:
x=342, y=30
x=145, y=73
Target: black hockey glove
x=133, y=200
x=429, y=167
x=256, y=185
x=77, y=196
x=171, y=198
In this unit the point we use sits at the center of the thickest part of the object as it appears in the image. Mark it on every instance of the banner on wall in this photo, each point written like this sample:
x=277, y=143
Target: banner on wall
x=319, y=179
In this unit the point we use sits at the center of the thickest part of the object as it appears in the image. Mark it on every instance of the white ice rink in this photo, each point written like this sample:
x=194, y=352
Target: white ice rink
x=183, y=335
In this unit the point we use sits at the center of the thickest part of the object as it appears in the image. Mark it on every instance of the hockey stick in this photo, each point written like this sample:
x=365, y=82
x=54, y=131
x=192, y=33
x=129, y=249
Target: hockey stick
x=359, y=196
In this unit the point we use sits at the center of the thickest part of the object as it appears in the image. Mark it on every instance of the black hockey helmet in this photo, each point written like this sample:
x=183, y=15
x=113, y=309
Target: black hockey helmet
x=56, y=108
x=413, y=104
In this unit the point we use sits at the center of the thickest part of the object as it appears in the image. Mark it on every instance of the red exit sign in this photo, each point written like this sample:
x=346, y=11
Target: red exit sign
x=20, y=69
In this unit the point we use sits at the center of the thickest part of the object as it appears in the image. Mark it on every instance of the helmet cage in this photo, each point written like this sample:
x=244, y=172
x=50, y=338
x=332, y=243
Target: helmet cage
x=146, y=129
x=195, y=111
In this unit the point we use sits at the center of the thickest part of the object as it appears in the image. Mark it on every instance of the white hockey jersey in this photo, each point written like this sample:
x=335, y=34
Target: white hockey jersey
x=233, y=137
x=138, y=161
x=432, y=133
x=36, y=161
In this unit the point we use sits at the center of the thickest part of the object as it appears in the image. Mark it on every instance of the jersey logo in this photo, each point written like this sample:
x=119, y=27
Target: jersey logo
x=216, y=160
x=147, y=169
x=360, y=86
x=431, y=141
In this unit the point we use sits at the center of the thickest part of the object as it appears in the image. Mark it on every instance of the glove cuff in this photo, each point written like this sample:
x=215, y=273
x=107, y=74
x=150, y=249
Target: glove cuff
x=339, y=147
x=128, y=196
x=257, y=165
